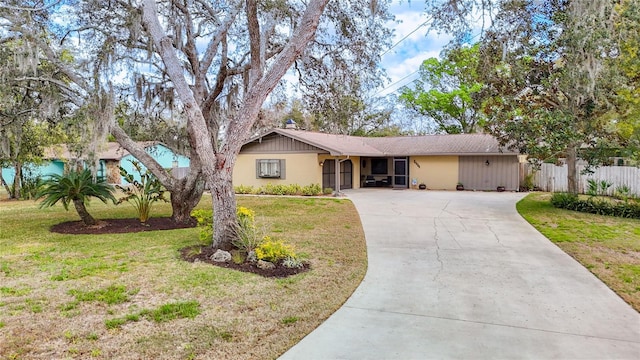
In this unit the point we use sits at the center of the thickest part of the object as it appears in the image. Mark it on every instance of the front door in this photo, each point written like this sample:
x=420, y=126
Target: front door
x=329, y=174
x=400, y=172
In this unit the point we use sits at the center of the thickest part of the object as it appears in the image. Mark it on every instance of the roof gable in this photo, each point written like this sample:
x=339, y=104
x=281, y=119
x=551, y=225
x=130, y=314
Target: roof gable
x=278, y=143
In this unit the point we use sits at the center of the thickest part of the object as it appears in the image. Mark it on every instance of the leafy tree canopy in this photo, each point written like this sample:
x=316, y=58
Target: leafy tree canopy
x=449, y=91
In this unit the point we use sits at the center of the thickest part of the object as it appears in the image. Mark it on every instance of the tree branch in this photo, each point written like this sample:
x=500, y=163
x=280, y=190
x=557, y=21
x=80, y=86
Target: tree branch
x=303, y=33
x=254, y=42
x=201, y=138
x=138, y=151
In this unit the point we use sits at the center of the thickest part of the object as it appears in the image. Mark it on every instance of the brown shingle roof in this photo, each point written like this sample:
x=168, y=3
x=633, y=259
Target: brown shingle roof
x=335, y=144
x=108, y=151
x=459, y=144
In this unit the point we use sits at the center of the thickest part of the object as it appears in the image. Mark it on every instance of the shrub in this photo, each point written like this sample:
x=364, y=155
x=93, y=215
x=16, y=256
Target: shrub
x=595, y=206
x=327, y=191
x=595, y=188
x=274, y=251
x=312, y=190
x=244, y=189
x=528, y=181
x=205, y=223
x=247, y=236
x=30, y=186
x=623, y=193
x=271, y=189
x=563, y=200
x=293, y=189
x=292, y=263
x=141, y=194
x=203, y=217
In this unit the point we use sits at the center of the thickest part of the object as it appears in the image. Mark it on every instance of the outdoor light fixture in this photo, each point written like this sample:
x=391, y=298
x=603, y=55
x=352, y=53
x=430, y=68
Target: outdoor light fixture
x=487, y=163
x=321, y=163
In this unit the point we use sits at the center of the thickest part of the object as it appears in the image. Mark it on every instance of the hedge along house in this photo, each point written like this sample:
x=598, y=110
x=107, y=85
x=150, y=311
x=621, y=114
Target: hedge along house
x=287, y=156
x=58, y=159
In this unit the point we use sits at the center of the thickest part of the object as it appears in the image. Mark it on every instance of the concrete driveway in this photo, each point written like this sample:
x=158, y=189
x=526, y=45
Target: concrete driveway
x=462, y=275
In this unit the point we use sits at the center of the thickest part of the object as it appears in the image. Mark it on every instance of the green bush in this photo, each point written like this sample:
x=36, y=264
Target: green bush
x=293, y=189
x=247, y=236
x=282, y=189
x=597, y=206
x=563, y=200
x=141, y=194
x=30, y=186
x=274, y=251
x=271, y=189
x=528, y=181
x=312, y=190
x=244, y=189
x=292, y=263
x=623, y=193
x=205, y=223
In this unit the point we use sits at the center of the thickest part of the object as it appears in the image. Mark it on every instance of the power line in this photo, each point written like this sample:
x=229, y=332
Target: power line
x=406, y=36
x=396, y=82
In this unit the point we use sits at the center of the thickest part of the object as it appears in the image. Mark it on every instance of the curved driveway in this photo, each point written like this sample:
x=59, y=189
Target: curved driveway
x=462, y=275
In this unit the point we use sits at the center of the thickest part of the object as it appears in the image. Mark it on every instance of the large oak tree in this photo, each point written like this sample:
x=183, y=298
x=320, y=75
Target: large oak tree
x=211, y=63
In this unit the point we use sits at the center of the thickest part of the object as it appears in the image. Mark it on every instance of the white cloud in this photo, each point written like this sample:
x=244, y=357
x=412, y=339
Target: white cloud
x=403, y=61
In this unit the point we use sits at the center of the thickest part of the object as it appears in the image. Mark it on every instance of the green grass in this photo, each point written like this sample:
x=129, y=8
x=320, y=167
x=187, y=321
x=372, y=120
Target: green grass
x=130, y=295
x=609, y=247
x=114, y=294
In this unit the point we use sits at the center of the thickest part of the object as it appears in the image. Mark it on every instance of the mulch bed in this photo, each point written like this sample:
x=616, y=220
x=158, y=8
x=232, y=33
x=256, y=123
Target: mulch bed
x=119, y=226
x=191, y=254
x=203, y=254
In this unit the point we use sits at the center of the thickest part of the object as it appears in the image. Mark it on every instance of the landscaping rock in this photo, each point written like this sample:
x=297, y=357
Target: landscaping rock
x=221, y=256
x=251, y=257
x=265, y=265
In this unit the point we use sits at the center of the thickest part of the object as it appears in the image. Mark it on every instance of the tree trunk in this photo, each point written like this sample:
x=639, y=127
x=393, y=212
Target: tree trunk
x=185, y=193
x=572, y=163
x=17, y=166
x=217, y=161
x=224, y=204
x=183, y=200
x=4, y=183
x=87, y=219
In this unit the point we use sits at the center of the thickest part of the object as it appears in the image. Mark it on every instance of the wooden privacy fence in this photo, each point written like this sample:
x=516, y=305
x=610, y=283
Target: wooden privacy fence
x=553, y=178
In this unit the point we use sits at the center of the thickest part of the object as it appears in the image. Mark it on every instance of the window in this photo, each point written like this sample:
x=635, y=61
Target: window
x=270, y=168
x=379, y=166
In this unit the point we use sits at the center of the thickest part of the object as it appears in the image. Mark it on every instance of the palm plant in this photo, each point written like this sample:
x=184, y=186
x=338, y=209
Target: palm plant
x=76, y=187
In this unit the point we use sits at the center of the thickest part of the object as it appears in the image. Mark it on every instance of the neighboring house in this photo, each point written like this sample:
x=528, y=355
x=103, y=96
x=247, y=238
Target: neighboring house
x=58, y=158
x=115, y=157
x=287, y=156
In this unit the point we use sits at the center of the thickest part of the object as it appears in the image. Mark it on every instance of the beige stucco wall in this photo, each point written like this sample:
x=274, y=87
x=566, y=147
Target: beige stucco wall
x=301, y=169
x=437, y=172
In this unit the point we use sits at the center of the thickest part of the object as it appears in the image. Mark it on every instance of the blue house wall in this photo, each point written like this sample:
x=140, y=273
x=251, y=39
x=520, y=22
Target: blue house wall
x=162, y=154
x=43, y=170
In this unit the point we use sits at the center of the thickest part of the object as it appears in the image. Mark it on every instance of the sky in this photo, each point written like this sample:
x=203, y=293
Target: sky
x=403, y=61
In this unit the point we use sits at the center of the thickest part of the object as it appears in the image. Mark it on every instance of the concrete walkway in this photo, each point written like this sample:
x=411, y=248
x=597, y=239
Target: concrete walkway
x=462, y=275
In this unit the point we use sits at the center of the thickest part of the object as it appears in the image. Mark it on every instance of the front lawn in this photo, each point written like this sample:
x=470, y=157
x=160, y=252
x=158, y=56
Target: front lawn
x=129, y=296
x=608, y=246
